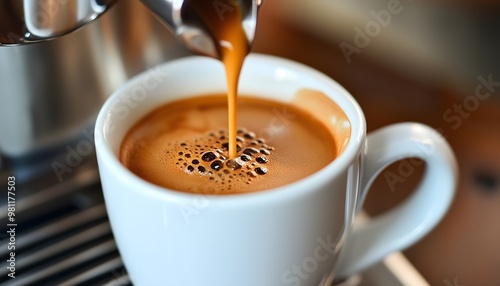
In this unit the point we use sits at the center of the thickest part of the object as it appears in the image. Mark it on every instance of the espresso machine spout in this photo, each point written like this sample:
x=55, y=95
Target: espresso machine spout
x=29, y=21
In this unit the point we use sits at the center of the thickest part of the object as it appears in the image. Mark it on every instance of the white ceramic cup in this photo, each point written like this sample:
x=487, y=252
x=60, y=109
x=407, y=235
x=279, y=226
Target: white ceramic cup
x=296, y=234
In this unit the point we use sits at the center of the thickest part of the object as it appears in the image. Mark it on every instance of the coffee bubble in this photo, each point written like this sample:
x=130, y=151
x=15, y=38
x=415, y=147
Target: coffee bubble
x=217, y=165
x=249, y=135
x=209, y=156
x=261, y=170
x=252, y=174
x=250, y=151
x=265, y=151
x=261, y=160
x=245, y=158
x=267, y=147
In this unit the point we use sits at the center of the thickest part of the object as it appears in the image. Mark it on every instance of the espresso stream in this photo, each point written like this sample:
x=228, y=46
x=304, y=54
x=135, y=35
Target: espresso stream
x=223, y=19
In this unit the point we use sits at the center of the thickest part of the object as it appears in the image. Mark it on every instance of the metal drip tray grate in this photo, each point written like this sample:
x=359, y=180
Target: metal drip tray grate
x=63, y=236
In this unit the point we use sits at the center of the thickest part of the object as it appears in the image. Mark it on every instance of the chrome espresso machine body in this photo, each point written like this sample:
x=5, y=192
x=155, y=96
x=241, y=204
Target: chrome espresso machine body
x=51, y=90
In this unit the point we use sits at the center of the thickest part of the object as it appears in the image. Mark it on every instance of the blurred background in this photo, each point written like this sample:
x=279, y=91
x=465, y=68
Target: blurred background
x=435, y=62
x=426, y=61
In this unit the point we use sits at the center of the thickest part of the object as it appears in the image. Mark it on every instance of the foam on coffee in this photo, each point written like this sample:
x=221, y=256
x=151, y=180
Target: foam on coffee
x=207, y=155
x=181, y=146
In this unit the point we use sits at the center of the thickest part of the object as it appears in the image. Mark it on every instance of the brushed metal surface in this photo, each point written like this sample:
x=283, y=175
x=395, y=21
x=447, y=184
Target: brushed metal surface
x=50, y=91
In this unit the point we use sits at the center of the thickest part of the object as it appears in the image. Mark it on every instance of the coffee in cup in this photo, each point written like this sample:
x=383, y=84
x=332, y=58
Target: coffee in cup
x=183, y=145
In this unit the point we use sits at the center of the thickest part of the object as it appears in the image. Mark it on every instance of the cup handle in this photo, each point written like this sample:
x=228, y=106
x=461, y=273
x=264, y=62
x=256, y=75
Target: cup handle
x=406, y=223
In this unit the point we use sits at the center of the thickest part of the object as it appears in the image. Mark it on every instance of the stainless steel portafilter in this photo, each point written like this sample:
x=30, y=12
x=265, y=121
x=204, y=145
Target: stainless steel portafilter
x=29, y=21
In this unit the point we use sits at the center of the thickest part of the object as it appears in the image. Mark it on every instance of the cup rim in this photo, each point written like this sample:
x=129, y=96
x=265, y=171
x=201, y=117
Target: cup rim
x=301, y=187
